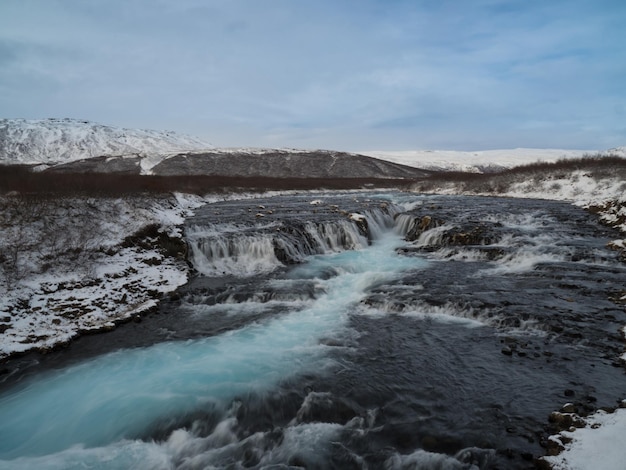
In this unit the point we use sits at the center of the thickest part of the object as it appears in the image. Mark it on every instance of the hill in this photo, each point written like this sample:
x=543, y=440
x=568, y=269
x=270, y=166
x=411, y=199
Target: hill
x=72, y=146
x=52, y=141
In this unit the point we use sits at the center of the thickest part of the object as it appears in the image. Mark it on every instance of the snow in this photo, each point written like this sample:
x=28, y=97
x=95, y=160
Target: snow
x=59, y=310
x=106, y=283
x=617, y=151
x=48, y=308
x=475, y=162
x=598, y=445
x=48, y=141
x=53, y=141
x=579, y=188
x=357, y=217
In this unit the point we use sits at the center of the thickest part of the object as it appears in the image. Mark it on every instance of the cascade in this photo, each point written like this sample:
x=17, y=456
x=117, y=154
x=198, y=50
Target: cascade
x=247, y=250
x=344, y=336
x=113, y=399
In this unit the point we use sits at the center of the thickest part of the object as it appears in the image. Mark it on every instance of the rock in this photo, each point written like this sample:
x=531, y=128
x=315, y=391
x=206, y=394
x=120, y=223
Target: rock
x=554, y=447
x=562, y=421
x=542, y=464
x=321, y=407
x=361, y=222
x=470, y=233
x=421, y=226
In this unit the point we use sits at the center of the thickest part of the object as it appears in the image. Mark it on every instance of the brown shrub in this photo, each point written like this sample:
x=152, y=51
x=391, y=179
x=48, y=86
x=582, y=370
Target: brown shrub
x=21, y=179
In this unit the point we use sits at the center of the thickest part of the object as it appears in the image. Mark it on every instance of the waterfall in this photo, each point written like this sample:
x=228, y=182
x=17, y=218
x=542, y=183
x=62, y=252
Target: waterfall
x=246, y=250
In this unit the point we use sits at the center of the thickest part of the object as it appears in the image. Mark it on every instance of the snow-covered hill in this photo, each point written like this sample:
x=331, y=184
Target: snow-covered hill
x=60, y=141
x=49, y=141
x=479, y=161
x=617, y=151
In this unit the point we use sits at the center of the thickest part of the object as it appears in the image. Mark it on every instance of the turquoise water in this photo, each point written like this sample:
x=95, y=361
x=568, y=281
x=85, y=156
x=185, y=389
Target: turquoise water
x=99, y=407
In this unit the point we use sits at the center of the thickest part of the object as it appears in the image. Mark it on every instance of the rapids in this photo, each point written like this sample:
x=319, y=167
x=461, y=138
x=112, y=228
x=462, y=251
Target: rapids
x=355, y=330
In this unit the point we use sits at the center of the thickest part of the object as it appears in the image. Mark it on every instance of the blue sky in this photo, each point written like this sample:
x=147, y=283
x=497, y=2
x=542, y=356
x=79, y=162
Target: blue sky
x=341, y=74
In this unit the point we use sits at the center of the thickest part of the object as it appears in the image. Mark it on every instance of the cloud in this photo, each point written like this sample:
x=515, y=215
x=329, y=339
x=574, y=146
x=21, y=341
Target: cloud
x=418, y=74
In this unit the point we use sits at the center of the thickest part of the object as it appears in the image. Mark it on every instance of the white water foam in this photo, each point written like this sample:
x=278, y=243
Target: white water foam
x=432, y=237
x=249, y=252
x=91, y=413
x=466, y=459
x=405, y=223
x=243, y=256
x=249, y=307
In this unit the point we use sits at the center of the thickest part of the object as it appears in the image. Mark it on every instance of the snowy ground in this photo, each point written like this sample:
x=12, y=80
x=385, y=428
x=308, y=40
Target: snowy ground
x=76, y=270
x=94, y=280
x=600, y=444
x=482, y=160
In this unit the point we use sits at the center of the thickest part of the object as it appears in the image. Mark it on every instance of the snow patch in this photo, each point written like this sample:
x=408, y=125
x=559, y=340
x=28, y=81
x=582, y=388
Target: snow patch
x=43, y=305
x=357, y=217
x=598, y=445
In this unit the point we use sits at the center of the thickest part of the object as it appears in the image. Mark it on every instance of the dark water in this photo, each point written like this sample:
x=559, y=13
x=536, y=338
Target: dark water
x=316, y=338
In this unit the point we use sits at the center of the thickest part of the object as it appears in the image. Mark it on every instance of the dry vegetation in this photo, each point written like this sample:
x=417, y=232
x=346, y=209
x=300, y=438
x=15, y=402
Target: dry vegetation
x=22, y=180
x=50, y=218
x=596, y=166
x=58, y=216
x=40, y=231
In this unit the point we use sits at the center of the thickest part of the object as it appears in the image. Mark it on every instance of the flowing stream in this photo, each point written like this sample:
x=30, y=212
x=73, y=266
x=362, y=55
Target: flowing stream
x=355, y=330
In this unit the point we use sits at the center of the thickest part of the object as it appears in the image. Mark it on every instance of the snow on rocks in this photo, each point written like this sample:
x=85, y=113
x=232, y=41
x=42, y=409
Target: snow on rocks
x=612, y=211
x=48, y=311
x=86, y=264
x=578, y=186
x=357, y=217
x=599, y=444
x=116, y=268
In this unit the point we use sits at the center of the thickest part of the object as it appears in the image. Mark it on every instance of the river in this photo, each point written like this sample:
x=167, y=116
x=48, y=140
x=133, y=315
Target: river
x=341, y=330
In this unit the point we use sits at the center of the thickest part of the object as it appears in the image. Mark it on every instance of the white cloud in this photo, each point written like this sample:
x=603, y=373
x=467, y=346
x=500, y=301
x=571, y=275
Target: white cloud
x=322, y=73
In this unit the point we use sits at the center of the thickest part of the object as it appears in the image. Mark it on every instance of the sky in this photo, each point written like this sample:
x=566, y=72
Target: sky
x=337, y=74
